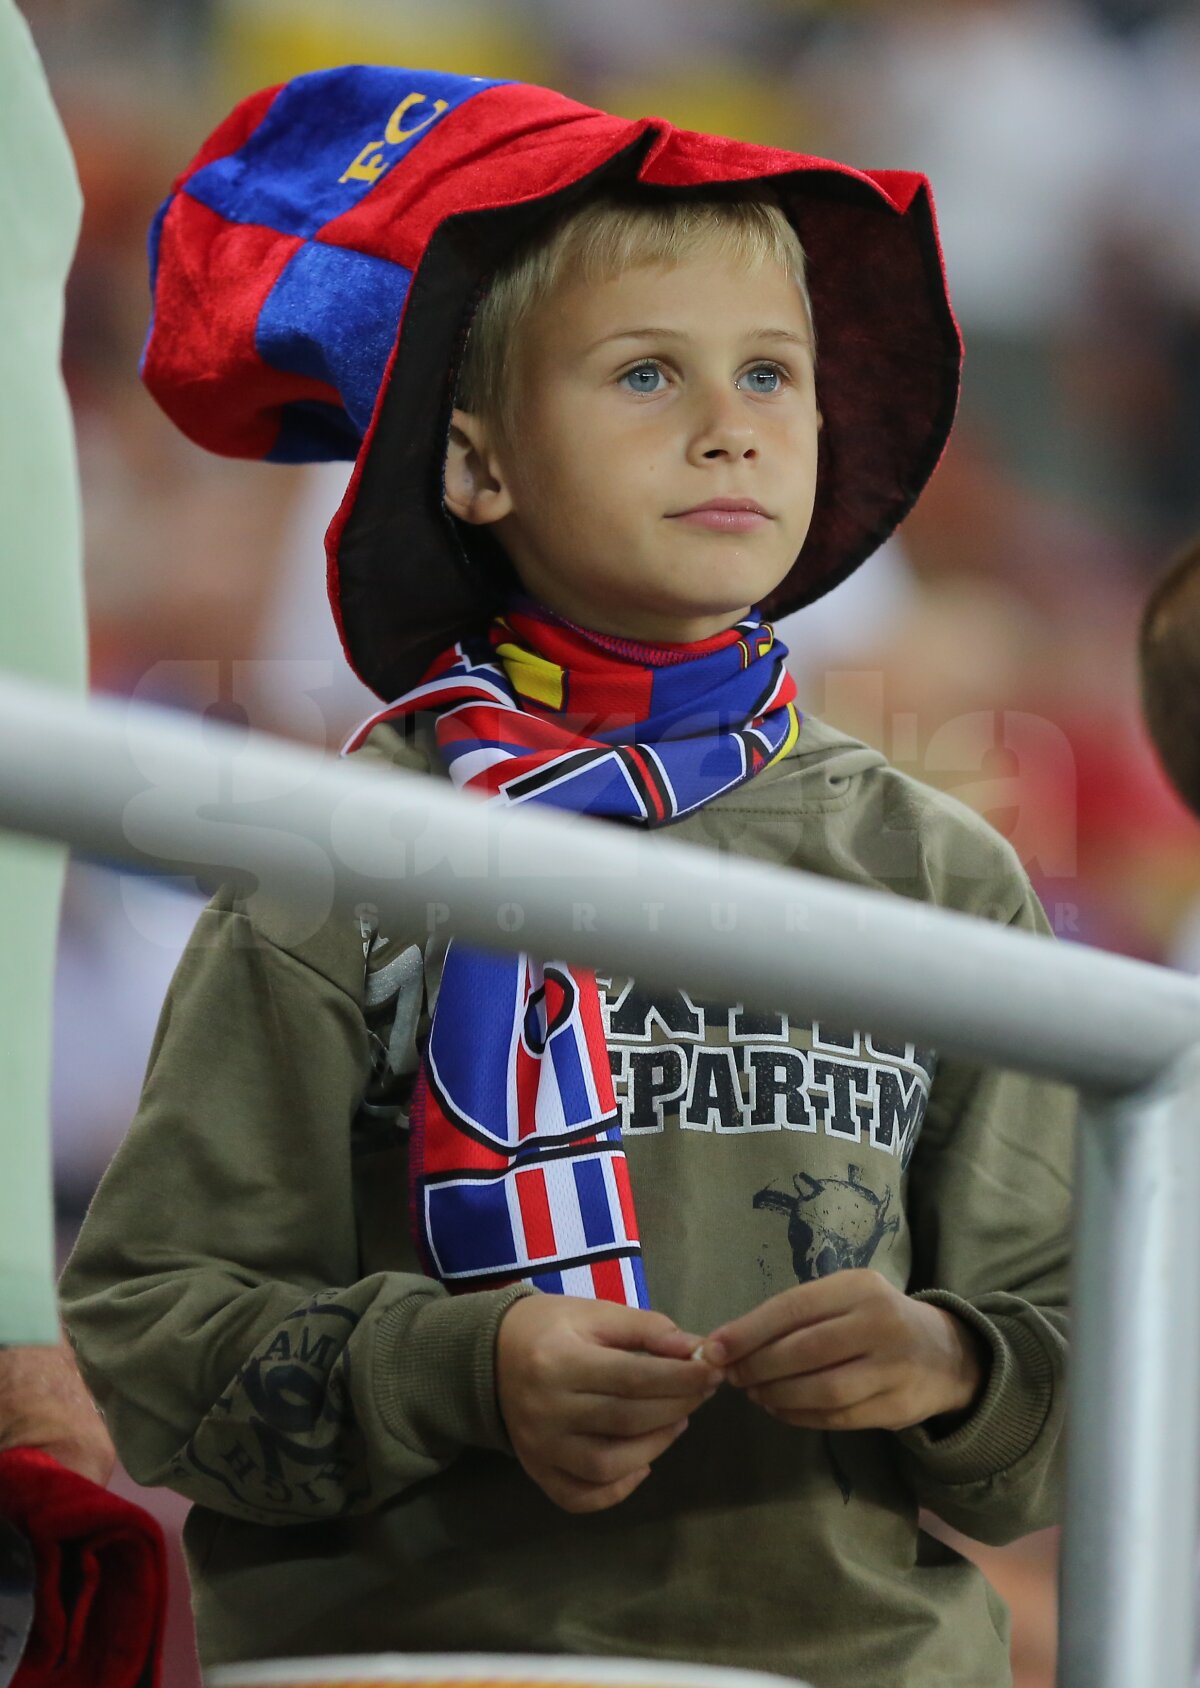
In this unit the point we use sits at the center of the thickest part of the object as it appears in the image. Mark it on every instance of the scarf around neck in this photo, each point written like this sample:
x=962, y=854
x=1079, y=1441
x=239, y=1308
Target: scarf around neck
x=516, y=1167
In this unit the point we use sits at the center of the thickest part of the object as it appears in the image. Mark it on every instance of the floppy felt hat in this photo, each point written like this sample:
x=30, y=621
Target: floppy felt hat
x=317, y=265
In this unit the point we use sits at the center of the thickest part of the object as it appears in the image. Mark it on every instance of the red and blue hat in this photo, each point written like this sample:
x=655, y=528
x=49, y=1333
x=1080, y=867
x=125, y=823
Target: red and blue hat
x=317, y=265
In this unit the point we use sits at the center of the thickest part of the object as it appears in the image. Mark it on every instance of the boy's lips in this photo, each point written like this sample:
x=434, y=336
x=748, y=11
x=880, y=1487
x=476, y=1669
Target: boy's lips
x=725, y=515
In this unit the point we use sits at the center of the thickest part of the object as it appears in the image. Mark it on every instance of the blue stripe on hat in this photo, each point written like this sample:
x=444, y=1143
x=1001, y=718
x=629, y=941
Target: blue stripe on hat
x=313, y=321
x=470, y=1227
x=153, y=243
x=154, y=240
x=325, y=141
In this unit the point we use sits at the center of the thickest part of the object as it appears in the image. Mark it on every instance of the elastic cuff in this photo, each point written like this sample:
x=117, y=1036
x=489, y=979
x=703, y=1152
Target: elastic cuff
x=1008, y=1417
x=438, y=1375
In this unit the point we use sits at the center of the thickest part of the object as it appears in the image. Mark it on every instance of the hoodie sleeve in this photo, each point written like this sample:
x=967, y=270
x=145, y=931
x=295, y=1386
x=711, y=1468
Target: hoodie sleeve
x=215, y=1297
x=989, y=1205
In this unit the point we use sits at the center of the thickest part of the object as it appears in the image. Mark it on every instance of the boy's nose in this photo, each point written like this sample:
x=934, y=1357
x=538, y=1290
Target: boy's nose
x=723, y=428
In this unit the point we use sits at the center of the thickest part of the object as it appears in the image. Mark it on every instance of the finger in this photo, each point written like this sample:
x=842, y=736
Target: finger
x=574, y=1495
x=597, y=1370
x=608, y=1415
x=838, y=1389
x=793, y=1309
x=832, y=1342
x=638, y=1331
x=673, y=1345
x=877, y=1412
x=610, y=1459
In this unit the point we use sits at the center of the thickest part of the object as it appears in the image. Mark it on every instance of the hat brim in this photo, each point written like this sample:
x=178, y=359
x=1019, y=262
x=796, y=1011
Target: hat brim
x=405, y=580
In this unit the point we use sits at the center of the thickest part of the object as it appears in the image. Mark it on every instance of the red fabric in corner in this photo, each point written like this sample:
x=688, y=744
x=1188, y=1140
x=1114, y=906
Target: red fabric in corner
x=101, y=1579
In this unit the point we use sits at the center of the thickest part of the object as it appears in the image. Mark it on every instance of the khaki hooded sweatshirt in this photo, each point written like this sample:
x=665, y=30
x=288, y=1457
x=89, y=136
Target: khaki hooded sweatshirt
x=249, y=1310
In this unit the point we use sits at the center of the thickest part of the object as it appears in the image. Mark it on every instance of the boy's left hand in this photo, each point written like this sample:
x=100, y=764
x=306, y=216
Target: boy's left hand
x=851, y=1352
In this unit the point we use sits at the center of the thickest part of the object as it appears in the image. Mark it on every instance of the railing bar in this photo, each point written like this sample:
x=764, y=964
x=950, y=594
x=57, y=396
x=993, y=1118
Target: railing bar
x=1129, y=1549
x=165, y=789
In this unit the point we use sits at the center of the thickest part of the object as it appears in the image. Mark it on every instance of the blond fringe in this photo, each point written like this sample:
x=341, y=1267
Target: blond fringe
x=603, y=238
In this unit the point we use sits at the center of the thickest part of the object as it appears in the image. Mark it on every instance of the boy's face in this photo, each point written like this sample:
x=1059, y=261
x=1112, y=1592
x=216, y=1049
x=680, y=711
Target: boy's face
x=640, y=398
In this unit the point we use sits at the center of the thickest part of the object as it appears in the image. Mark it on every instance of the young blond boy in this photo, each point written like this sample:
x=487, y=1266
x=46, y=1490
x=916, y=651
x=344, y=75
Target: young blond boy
x=770, y=1287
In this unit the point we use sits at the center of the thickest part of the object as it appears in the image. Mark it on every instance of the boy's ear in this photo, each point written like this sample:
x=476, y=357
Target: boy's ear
x=476, y=487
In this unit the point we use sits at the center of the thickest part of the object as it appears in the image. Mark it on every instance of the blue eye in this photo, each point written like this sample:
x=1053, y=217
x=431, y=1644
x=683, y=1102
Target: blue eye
x=642, y=369
x=769, y=370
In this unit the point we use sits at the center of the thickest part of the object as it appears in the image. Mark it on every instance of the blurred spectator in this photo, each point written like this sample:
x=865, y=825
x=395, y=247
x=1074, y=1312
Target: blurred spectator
x=1130, y=17
x=73, y=32
x=630, y=36
x=122, y=935
x=1019, y=111
x=1154, y=294
x=300, y=684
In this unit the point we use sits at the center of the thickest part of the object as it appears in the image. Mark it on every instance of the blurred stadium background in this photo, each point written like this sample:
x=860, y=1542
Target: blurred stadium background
x=990, y=650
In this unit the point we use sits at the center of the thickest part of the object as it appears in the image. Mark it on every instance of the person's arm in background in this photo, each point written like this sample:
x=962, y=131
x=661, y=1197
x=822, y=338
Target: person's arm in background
x=41, y=637
x=44, y=1406
x=42, y=1402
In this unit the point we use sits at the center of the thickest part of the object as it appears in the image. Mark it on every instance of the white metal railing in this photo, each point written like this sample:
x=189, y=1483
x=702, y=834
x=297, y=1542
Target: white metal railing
x=161, y=789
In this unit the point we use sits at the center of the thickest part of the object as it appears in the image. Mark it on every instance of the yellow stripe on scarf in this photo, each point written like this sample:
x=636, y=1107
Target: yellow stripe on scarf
x=532, y=676
x=793, y=733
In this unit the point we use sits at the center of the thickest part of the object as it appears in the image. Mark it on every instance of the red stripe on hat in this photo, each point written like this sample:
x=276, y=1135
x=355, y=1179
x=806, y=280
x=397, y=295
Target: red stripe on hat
x=609, y=1284
x=620, y=1171
x=540, y=1240
x=680, y=157
x=181, y=358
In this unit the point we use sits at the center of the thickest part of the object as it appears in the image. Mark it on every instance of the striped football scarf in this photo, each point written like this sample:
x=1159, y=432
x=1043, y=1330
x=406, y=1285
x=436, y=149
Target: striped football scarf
x=517, y=1171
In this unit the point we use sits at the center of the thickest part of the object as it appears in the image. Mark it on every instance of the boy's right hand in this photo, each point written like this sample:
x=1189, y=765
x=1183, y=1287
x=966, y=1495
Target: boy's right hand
x=591, y=1392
